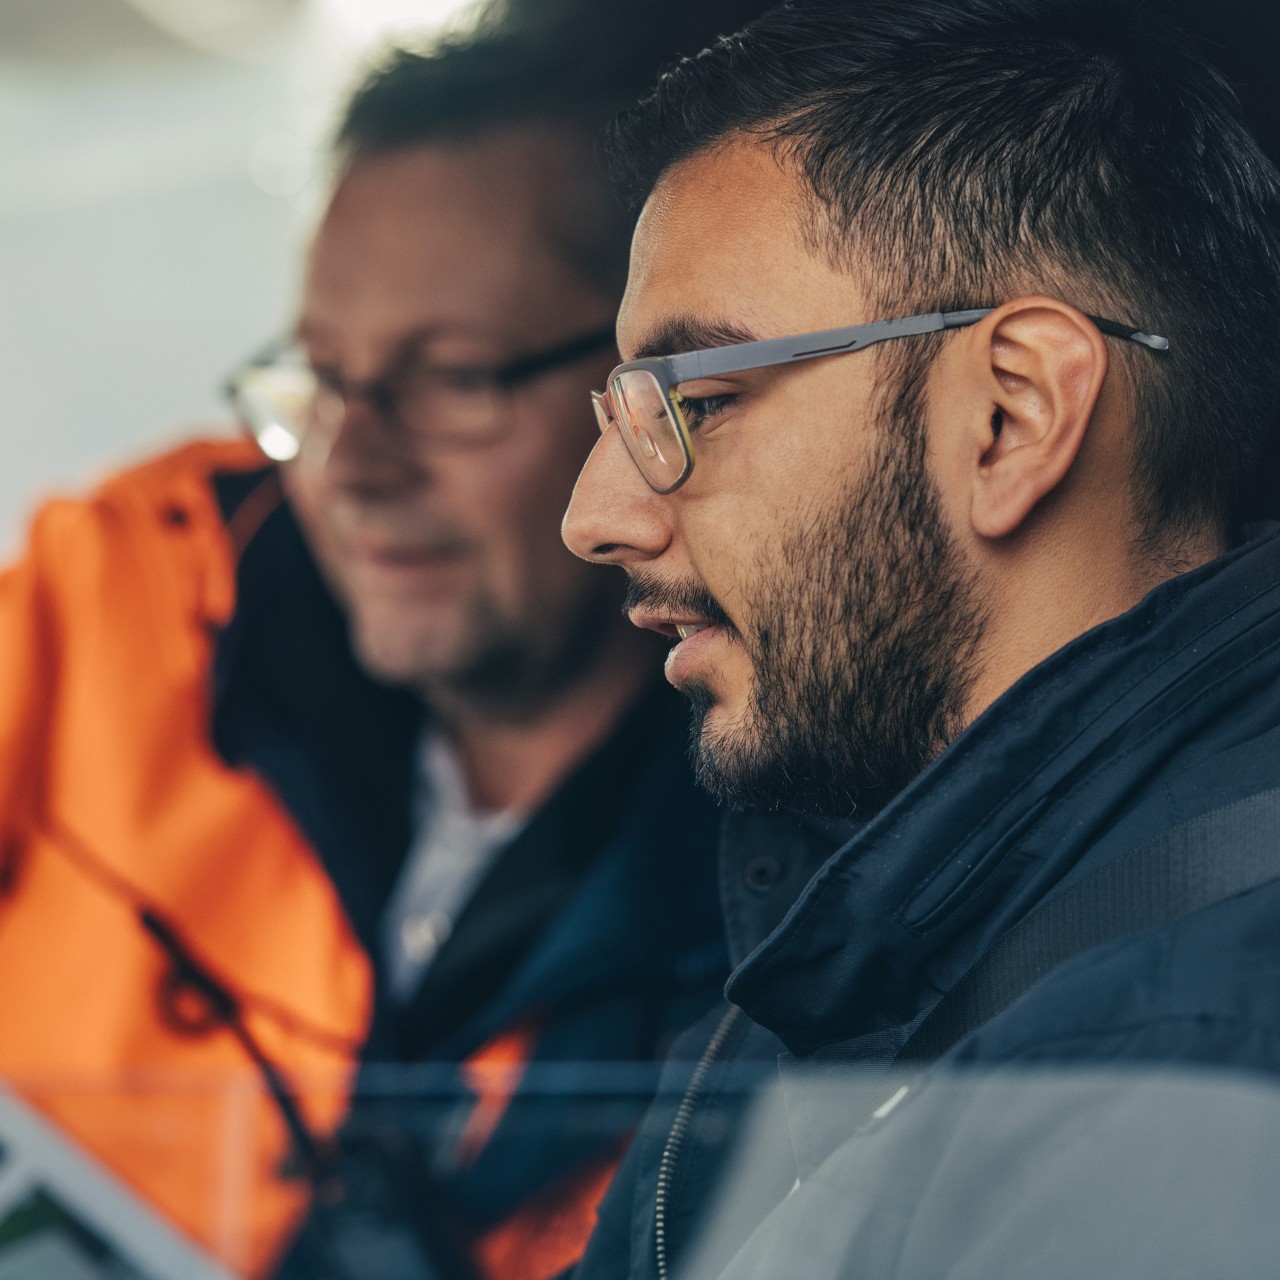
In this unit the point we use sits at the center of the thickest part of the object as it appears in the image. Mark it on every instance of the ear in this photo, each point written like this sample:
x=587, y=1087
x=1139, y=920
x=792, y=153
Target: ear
x=1039, y=367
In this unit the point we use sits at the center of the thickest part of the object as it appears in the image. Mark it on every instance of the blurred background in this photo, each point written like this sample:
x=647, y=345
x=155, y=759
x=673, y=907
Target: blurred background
x=159, y=168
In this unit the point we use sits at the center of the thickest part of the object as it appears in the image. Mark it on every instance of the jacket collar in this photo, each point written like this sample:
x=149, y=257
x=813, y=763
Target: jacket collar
x=1024, y=796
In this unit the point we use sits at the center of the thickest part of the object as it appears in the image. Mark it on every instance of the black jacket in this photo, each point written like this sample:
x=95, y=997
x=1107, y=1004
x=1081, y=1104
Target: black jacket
x=1022, y=1152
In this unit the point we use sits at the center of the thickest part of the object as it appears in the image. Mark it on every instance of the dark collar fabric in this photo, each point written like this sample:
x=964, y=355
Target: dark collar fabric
x=507, y=950
x=1150, y=718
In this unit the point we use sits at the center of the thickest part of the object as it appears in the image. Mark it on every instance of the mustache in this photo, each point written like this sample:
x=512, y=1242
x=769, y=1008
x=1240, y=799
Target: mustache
x=687, y=598
x=357, y=524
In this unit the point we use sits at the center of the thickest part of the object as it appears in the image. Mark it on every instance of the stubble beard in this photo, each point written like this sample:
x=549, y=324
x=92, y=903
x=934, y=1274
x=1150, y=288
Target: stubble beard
x=510, y=671
x=867, y=624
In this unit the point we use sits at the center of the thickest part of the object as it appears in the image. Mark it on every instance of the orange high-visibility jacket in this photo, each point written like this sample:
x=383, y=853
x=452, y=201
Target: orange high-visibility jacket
x=120, y=822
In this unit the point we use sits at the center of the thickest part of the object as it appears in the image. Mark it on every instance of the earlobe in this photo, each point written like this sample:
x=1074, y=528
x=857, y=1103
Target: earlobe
x=1043, y=366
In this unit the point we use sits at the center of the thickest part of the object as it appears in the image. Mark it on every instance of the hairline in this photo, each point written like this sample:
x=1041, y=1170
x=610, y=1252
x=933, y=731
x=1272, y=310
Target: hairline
x=583, y=247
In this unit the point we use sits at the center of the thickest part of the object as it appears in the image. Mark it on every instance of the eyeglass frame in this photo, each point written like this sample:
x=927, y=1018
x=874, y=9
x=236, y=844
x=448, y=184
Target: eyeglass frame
x=381, y=394
x=740, y=357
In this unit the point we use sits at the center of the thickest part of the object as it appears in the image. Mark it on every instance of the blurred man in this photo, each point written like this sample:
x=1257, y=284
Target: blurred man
x=262, y=824
x=950, y=365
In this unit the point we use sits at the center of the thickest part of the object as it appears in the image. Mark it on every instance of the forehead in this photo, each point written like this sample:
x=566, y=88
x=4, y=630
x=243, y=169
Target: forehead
x=722, y=239
x=460, y=234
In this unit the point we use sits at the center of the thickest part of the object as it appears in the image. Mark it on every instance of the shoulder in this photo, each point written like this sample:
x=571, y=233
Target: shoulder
x=156, y=526
x=156, y=482
x=1202, y=992
x=177, y=474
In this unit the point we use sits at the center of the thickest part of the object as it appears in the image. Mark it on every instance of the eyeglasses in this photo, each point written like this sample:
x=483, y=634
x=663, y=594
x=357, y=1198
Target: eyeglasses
x=285, y=401
x=642, y=400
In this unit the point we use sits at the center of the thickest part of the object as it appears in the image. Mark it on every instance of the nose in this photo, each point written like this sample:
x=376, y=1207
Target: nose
x=613, y=516
x=360, y=447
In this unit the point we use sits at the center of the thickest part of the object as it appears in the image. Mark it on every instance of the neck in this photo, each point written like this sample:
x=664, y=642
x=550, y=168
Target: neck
x=1053, y=600
x=515, y=762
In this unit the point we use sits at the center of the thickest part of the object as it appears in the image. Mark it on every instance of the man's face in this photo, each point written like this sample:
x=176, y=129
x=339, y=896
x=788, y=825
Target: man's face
x=838, y=620
x=448, y=558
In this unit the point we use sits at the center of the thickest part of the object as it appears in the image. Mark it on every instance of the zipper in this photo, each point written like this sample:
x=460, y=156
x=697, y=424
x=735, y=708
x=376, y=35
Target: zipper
x=679, y=1130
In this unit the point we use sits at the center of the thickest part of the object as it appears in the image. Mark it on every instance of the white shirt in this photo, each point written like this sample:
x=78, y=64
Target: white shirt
x=453, y=847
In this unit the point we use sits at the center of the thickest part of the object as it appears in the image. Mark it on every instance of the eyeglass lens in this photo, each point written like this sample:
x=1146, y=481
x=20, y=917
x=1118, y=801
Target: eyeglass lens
x=288, y=399
x=649, y=428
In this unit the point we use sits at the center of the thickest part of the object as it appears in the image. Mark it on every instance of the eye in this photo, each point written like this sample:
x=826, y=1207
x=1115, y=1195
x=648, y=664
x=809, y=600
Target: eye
x=699, y=410
x=457, y=379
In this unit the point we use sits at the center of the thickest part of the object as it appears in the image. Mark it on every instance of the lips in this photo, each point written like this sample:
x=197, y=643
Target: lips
x=686, y=629
x=674, y=628
x=688, y=616
x=410, y=555
x=408, y=569
x=685, y=655
x=408, y=551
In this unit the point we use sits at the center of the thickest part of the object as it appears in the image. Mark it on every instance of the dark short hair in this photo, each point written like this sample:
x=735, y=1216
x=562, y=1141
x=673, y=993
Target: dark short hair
x=458, y=89
x=574, y=61
x=463, y=89
x=959, y=150
x=565, y=65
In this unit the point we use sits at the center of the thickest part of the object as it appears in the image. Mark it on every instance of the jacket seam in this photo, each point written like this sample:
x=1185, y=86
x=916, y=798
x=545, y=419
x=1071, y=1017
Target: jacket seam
x=972, y=835
x=1090, y=1035
x=983, y=877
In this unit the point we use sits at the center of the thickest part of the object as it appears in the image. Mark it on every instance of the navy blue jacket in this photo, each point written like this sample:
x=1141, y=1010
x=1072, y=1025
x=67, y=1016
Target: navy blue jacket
x=1121, y=1117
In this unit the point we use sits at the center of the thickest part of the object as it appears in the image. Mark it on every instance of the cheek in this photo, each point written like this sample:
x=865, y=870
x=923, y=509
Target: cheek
x=513, y=502
x=541, y=464
x=312, y=503
x=305, y=489
x=766, y=480
x=560, y=416
x=737, y=532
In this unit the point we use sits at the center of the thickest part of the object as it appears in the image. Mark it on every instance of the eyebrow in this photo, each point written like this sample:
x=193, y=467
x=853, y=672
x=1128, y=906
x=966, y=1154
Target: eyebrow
x=679, y=334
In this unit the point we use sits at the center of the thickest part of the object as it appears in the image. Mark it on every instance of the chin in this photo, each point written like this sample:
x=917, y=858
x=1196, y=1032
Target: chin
x=715, y=727
x=398, y=655
x=725, y=714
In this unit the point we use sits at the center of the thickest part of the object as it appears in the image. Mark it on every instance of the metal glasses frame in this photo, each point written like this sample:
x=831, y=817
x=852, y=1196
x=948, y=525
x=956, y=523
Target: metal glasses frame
x=381, y=393
x=738, y=357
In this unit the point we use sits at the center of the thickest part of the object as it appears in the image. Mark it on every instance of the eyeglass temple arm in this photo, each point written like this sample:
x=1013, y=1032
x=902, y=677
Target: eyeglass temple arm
x=828, y=342
x=959, y=319
x=543, y=361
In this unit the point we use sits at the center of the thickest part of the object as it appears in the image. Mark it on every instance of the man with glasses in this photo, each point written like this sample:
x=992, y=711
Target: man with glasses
x=949, y=389
x=343, y=759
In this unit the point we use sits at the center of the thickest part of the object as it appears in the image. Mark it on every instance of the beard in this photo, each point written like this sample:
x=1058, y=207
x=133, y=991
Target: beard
x=514, y=668
x=496, y=661
x=866, y=626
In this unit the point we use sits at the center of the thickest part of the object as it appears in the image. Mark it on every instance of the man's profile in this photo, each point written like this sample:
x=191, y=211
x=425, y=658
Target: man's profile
x=948, y=378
